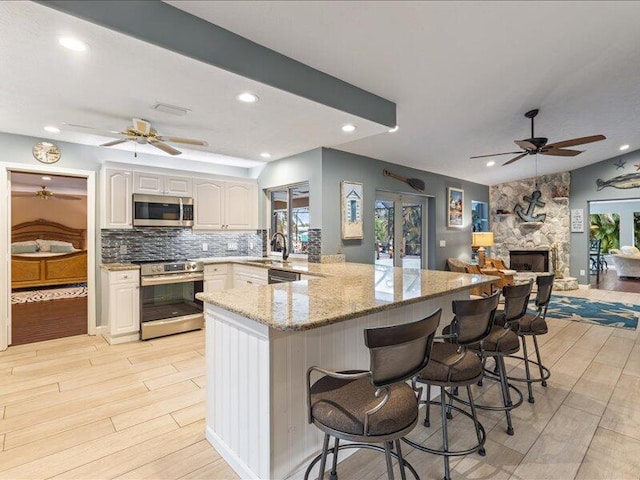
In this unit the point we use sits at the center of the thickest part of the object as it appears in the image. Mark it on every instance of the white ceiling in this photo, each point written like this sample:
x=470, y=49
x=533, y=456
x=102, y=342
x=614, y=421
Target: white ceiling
x=464, y=73
x=32, y=182
x=42, y=83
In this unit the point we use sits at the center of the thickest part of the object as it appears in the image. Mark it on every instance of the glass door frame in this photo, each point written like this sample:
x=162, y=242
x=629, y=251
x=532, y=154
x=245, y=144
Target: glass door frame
x=398, y=198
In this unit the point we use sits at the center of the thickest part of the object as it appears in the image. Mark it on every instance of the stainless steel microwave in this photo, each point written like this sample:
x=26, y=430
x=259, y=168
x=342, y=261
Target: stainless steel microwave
x=162, y=211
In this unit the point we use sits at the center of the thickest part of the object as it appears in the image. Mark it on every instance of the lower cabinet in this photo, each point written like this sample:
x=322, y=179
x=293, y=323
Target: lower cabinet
x=216, y=278
x=121, y=305
x=246, y=276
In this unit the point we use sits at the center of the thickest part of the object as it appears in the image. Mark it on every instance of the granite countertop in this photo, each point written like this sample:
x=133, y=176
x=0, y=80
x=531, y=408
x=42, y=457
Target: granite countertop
x=114, y=267
x=343, y=291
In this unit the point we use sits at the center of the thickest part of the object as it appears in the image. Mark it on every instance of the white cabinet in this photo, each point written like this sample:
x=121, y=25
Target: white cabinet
x=155, y=184
x=121, y=305
x=222, y=205
x=116, y=195
x=246, y=276
x=216, y=278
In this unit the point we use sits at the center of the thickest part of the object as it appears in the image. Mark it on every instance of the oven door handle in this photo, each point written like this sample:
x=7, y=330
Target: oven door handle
x=169, y=279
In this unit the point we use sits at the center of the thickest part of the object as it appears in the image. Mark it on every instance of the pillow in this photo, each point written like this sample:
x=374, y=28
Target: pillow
x=61, y=248
x=45, y=245
x=29, y=242
x=23, y=249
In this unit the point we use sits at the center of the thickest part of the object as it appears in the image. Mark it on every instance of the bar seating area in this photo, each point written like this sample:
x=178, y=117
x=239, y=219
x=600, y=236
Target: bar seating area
x=378, y=409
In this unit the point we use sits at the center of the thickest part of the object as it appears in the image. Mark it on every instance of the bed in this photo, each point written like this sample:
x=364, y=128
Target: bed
x=39, y=269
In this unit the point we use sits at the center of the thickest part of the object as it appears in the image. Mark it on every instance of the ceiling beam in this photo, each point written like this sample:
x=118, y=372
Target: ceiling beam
x=168, y=27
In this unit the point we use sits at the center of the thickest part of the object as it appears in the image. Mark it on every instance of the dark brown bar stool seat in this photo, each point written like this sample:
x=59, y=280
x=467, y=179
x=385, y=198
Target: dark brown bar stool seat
x=503, y=341
x=453, y=365
x=376, y=406
x=532, y=325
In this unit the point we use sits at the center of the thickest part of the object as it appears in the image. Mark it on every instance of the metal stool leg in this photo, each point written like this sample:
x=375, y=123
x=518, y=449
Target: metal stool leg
x=526, y=369
x=445, y=436
x=427, y=421
x=403, y=474
x=323, y=460
x=387, y=454
x=453, y=392
x=334, y=474
x=535, y=343
x=505, y=392
x=482, y=452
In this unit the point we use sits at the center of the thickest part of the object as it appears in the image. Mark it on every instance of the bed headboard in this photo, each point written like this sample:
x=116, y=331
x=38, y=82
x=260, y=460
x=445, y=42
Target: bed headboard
x=47, y=230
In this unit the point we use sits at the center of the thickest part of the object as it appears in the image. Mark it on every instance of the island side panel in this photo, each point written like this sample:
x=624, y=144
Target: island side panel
x=339, y=346
x=237, y=392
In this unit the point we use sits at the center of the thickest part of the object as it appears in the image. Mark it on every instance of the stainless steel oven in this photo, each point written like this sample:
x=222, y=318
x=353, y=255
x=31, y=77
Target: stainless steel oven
x=162, y=211
x=168, y=302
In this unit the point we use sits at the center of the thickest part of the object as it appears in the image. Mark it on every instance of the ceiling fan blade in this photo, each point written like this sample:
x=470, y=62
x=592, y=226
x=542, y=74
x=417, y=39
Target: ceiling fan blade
x=141, y=126
x=186, y=141
x=114, y=142
x=64, y=197
x=577, y=141
x=515, y=159
x=525, y=145
x=96, y=131
x=164, y=147
x=22, y=194
x=496, y=154
x=556, y=152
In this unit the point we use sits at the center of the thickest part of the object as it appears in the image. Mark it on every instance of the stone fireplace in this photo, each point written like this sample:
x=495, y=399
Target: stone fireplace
x=529, y=260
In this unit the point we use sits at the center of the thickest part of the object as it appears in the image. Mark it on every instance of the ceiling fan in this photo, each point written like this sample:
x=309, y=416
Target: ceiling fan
x=142, y=133
x=45, y=194
x=534, y=145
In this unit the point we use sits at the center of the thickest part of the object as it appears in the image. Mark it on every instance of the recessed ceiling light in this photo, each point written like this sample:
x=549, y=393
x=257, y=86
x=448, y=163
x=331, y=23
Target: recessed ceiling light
x=348, y=128
x=46, y=179
x=51, y=129
x=247, y=97
x=491, y=163
x=394, y=129
x=265, y=155
x=73, y=44
x=624, y=147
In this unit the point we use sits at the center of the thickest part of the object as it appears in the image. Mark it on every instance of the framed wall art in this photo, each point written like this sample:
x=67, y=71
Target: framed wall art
x=455, y=207
x=351, y=194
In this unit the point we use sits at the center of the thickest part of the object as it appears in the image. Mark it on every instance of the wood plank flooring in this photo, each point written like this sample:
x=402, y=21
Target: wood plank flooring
x=78, y=408
x=609, y=280
x=40, y=321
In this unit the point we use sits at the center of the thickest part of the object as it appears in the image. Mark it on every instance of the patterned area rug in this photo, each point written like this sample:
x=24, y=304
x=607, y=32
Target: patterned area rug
x=44, y=295
x=611, y=314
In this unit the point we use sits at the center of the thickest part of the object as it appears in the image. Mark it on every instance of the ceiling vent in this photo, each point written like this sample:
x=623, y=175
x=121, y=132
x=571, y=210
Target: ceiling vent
x=171, y=109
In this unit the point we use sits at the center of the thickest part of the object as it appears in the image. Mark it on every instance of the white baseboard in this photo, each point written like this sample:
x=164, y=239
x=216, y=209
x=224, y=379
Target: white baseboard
x=241, y=468
x=101, y=330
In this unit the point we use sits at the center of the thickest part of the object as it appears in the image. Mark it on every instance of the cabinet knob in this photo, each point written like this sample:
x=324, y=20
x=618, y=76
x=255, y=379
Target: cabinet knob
x=125, y=276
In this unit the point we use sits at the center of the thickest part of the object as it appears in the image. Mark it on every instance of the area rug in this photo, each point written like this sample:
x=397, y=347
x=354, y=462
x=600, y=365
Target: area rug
x=611, y=314
x=47, y=294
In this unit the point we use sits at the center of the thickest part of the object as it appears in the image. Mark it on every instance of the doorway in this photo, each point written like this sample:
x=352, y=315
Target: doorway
x=7, y=170
x=400, y=230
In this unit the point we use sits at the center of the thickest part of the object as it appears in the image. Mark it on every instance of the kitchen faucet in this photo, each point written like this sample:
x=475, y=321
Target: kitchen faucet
x=274, y=239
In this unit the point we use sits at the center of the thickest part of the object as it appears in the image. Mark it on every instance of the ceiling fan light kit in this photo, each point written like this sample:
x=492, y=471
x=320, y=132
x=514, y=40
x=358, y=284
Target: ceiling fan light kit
x=535, y=145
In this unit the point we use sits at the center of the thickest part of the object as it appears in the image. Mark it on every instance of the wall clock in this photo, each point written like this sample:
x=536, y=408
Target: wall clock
x=46, y=152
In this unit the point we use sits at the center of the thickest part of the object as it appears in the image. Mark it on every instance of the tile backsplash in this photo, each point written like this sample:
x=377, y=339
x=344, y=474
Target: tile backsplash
x=156, y=243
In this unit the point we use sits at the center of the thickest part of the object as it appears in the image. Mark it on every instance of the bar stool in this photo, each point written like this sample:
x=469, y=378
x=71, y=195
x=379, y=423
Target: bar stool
x=532, y=325
x=375, y=406
x=452, y=365
x=503, y=341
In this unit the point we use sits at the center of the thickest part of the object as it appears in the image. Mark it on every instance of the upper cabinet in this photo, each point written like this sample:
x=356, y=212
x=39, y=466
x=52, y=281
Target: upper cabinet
x=220, y=205
x=154, y=184
x=116, y=198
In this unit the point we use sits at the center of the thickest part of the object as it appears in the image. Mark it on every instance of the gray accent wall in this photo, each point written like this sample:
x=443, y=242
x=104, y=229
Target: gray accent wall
x=338, y=165
x=583, y=190
x=176, y=30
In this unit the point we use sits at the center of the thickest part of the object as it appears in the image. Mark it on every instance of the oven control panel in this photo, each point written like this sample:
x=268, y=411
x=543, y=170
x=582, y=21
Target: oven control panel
x=171, y=267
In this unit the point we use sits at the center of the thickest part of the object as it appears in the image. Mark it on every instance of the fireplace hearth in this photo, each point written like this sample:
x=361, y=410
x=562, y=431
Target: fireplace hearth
x=529, y=260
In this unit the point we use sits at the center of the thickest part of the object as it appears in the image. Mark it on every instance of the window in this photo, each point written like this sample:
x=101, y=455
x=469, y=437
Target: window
x=290, y=216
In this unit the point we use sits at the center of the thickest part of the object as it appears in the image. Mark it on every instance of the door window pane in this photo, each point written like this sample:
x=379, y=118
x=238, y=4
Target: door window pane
x=384, y=231
x=290, y=216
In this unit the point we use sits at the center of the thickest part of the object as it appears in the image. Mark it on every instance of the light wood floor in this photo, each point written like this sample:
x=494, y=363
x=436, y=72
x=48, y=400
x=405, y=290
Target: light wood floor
x=79, y=408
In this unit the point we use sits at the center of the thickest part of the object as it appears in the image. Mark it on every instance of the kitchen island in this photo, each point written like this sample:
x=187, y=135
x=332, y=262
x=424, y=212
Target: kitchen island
x=261, y=341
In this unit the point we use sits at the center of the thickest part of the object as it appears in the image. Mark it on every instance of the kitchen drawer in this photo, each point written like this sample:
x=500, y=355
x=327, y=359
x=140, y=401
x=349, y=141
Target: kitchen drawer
x=216, y=269
x=124, y=276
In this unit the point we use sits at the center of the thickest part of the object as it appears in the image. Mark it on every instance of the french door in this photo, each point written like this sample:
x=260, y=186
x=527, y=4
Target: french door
x=400, y=229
